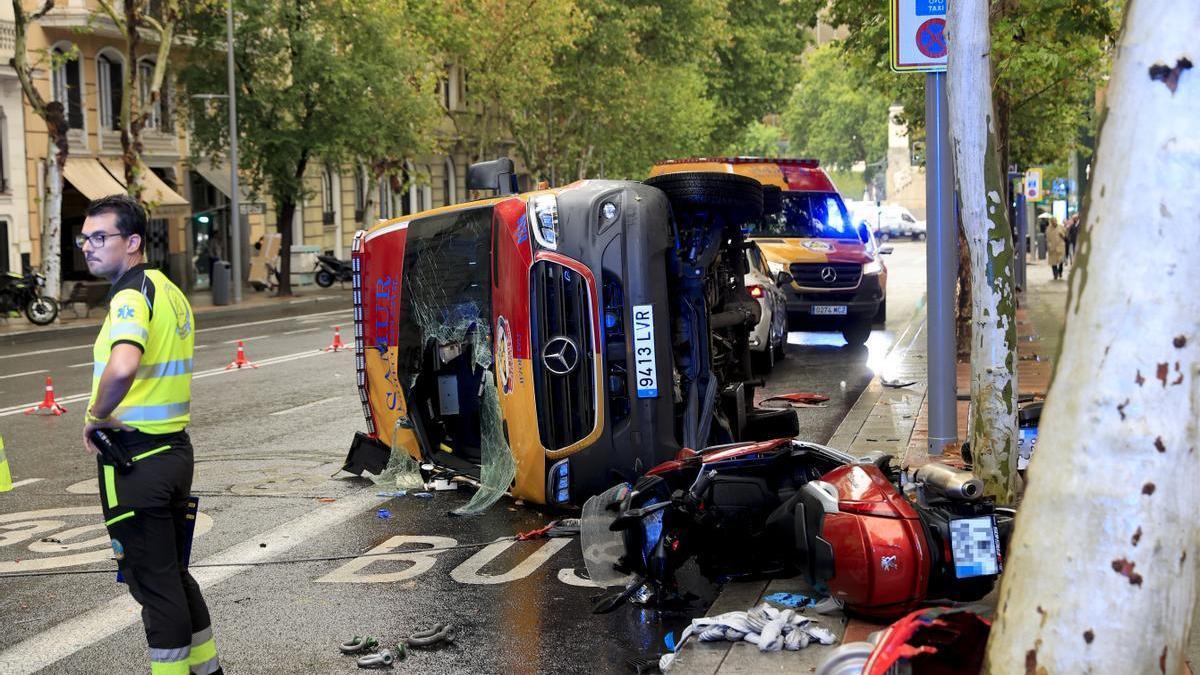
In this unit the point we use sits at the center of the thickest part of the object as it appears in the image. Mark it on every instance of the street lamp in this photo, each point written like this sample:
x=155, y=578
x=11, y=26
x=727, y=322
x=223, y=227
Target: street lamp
x=235, y=215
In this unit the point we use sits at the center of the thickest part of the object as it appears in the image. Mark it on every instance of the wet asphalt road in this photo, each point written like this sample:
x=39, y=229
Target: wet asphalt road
x=269, y=443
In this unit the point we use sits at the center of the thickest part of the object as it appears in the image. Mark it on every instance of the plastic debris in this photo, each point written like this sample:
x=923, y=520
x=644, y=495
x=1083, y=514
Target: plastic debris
x=441, y=485
x=423, y=495
x=393, y=493
x=767, y=627
x=383, y=514
x=897, y=383
x=800, y=399
x=326, y=500
x=793, y=600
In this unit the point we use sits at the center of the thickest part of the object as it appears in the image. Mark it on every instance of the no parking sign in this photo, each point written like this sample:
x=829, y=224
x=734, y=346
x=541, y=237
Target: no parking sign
x=918, y=33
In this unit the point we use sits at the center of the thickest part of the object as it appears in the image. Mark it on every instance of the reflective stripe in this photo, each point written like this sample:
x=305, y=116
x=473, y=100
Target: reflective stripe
x=110, y=486
x=207, y=668
x=169, y=661
x=203, y=652
x=148, y=453
x=152, y=413
x=166, y=369
x=114, y=521
x=127, y=329
x=201, y=636
x=153, y=370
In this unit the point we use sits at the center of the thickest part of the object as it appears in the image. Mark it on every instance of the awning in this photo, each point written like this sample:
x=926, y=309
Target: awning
x=90, y=178
x=166, y=201
x=218, y=175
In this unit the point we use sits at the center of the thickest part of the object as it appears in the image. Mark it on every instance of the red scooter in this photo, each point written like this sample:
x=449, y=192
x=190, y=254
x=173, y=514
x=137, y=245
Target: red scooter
x=881, y=541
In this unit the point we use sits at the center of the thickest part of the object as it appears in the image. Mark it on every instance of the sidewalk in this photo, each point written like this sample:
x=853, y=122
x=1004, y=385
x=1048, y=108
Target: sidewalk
x=894, y=420
x=255, y=305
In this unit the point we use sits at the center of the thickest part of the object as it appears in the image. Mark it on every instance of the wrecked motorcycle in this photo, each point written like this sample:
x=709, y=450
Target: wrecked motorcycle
x=880, y=540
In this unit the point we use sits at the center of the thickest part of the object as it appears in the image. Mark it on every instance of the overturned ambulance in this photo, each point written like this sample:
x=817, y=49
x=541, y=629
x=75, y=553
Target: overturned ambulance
x=552, y=343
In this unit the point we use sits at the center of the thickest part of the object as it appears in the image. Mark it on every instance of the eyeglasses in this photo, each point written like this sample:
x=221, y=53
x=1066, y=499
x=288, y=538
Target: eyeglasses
x=96, y=239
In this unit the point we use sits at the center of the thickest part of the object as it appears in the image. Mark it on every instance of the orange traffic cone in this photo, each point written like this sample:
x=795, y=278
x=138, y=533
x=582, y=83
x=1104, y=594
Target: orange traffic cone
x=48, y=406
x=241, y=360
x=337, y=345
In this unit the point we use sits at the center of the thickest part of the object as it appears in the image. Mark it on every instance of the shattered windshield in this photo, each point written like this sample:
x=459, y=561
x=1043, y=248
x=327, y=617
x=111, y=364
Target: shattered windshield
x=446, y=283
x=816, y=215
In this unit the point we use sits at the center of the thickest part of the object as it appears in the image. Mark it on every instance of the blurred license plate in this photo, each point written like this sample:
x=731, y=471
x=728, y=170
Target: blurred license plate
x=976, y=545
x=829, y=310
x=643, y=351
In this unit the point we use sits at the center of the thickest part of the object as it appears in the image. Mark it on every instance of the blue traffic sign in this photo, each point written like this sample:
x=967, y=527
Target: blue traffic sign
x=931, y=7
x=931, y=38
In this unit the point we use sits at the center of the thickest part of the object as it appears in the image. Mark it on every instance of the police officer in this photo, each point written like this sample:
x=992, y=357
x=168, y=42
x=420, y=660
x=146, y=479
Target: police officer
x=141, y=394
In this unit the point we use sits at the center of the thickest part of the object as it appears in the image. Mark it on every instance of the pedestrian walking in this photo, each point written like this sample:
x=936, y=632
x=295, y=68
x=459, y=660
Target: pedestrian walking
x=141, y=396
x=1056, y=242
x=1072, y=236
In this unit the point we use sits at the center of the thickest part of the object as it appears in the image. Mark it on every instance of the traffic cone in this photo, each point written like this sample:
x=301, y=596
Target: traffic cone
x=337, y=345
x=48, y=406
x=241, y=360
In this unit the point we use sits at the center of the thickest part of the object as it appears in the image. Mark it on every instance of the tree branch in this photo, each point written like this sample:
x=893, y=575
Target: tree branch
x=107, y=7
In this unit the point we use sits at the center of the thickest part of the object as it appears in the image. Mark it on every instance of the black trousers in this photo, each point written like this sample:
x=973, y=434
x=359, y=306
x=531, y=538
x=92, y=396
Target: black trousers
x=146, y=514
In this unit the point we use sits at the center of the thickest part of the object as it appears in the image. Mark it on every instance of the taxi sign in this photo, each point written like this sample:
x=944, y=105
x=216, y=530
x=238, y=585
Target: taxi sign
x=1033, y=185
x=918, y=36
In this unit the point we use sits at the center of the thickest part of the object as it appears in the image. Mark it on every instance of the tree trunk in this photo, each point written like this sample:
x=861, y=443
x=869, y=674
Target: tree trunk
x=370, y=200
x=962, y=309
x=1102, y=570
x=287, y=210
x=52, y=226
x=993, y=423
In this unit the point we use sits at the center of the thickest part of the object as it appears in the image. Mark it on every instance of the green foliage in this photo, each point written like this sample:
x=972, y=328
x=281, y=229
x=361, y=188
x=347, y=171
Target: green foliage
x=1048, y=58
x=834, y=114
x=759, y=140
x=327, y=79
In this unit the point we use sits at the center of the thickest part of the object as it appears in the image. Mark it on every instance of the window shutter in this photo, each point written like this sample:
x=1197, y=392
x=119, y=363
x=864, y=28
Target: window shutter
x=74, y=96
x=116, y=79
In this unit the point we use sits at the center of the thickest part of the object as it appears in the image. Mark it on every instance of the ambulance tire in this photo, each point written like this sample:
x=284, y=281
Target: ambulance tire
x=737, y=198
x=856, y=333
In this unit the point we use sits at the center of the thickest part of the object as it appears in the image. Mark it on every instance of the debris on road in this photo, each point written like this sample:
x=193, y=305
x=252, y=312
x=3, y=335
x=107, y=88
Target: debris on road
x=423, y=495
x=441, y=485
x=382, y=659
x=897, y=383
x=800, y=399
x=358, y=644
x=566, y=527
x=934, y=639
x=771, y=629
x=383, y=514
x=393, y=493
x=429, y=637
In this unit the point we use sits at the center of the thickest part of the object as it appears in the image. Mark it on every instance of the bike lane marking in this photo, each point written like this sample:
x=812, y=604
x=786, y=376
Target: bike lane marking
x=90, y=627
x=28, y=372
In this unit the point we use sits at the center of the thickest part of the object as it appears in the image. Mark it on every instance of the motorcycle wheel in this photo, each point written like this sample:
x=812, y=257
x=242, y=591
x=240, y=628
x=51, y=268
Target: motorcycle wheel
x=41, y=310
x=324, y=279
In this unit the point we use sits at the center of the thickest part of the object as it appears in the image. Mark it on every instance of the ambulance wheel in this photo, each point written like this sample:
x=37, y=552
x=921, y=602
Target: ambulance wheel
x=765, y=424
x=738, y=198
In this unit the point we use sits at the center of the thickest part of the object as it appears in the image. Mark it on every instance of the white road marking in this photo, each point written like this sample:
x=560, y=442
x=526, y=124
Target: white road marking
x=469, y=572
x=302, y=330
x=89, y=345
x=247, y=339
x=286, y=411
x=27, y=481
x=422, y=562
x=80, y=365
x=60, y=641
x=13, y=410
x=28, y=372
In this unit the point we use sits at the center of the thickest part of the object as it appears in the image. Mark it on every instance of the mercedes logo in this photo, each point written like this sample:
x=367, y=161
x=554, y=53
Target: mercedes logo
x=561, y=355
x=828, y=275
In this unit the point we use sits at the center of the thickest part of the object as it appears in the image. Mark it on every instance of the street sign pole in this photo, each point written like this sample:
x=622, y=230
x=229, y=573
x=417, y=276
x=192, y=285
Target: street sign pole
x=941, y=268
x=235, y=211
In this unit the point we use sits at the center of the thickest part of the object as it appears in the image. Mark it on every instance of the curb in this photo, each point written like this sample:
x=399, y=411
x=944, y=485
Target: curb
x=208, y=315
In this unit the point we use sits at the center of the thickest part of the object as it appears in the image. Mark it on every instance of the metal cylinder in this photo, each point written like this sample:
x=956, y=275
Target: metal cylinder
x=950, y=481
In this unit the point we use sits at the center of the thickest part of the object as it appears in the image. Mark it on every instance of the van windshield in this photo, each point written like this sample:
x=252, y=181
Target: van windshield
x=446, y=288
x=816, y=215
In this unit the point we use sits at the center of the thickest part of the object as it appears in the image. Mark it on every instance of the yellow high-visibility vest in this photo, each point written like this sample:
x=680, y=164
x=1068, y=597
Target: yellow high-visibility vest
x=5, y=476
x=150, y=312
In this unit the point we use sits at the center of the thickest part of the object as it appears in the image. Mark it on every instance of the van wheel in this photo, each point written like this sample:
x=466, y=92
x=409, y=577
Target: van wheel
x=856, y=334
x=881, y=314
x=739, y=198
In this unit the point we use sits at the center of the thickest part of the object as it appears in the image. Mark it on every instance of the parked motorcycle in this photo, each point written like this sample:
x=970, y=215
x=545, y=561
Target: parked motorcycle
x=879, y=540
x=23, y=293
x=330, y=269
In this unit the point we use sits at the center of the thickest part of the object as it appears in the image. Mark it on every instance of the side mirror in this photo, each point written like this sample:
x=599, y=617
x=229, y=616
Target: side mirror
x=886, y=250
x=497, y=175
x=783, y=279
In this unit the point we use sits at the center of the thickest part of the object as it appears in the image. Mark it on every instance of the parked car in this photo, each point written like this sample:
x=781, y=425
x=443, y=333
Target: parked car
x=888, y=221
x=588, y=332
x=769, y=336
x=839, y=281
